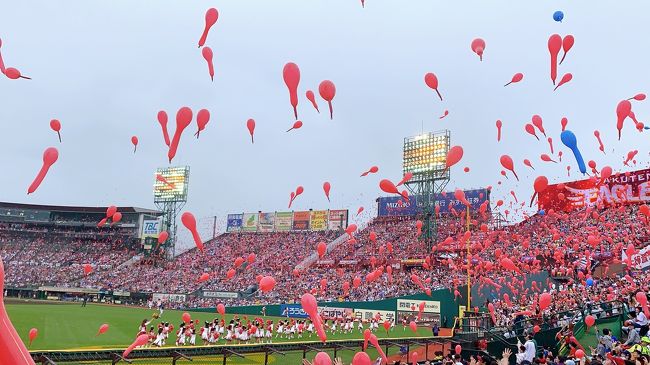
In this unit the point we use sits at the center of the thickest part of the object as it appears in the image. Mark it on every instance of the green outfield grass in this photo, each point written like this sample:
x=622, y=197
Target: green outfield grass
x=69, y=326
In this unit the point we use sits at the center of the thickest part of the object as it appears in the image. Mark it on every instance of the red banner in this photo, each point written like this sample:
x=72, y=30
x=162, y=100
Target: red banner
x=629, y=187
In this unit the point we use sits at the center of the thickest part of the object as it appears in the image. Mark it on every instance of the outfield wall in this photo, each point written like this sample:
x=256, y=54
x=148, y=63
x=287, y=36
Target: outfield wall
x=448, y=305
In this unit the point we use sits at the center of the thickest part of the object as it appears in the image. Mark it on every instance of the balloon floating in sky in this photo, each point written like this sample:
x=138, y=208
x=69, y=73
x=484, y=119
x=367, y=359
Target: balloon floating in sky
x=2, y=64
x=638, y=97
x=499, y=124
x=516, y=78
x=454, y=156
x=372, y=170
x=537, y=122
x=432, y=81
x=102, y=329
x=14, y=74
x=446, y=113
x=326, y=188
x=327, y=91
x=162, y=119
x=33, y=333
x=250, y=124
x=140, y=341
x=183, y=119
x=531, y=130
x=50, y=156
x=564, y=122
x=211, y=16
x=569, y=139
x=478, y=46
x=623, y=110
x=554, y=46
x=567, y=44
x=202, y=119
x=207, y=54
x=566, y=78
x=134, y=141
x=189, y=222
x=310, y=96
x=558, y=16
x=291, y=76
x=506, y=162
x=56, y=126
x=601, y=147
x=296, y=125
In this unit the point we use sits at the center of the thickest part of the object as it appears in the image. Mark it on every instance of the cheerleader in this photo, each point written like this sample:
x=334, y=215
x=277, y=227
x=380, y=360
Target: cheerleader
x=301, y=327
x=243, y=334
x=152, y=336
x=229, y=333
x=160, y=339
x=269, y=332
x=143, y=327
x=166, y=329
x=333, y=326
x=360, y=325
x=193, y=337
x=280, y=329
x=205, y=333
x=346, y=326
x=180, y=335
x=310, y=328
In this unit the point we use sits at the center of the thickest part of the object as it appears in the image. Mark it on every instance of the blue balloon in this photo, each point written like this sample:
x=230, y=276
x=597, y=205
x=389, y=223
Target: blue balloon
x=541, y=212
x=590, y=282
x=569, y=140
x=558, y=16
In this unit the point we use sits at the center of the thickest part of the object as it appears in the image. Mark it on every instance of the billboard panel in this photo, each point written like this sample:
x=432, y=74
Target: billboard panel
x=335, y=312
x=368, y=314
x=150, y=228
x=395, y=205
x=267, y=222
x=337, y=219
x=170, y=184
x=318, y=220
x=283, y=221
x=234, y=222
x=292, y=311
x=249, y=223
x=413, y=305
x=301, y=221
x=632, y=187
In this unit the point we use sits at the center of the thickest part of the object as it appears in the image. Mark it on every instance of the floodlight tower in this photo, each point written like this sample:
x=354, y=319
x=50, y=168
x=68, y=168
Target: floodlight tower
x=170, y=195
x=425, y=157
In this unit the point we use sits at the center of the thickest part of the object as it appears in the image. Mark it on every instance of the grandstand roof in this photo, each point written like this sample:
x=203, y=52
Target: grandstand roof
x=79, y=209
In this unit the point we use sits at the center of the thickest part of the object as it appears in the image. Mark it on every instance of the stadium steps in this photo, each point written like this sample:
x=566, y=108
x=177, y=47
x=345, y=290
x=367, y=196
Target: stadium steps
x=311, y=259
x=130, y=261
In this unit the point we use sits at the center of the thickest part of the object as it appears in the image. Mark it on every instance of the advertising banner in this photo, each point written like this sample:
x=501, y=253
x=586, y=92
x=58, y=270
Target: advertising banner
x=407, y=305
x=283, y=221
x=292, y=311
x=168, y=297
x=368, y=314
x=318, y=220
x=640, y=259
x=150, y=228
x=632, y=187
x=338, y=219
x=234, y=222
x=301, y=221
x=220, y=294
x=267, y=222
x=249, y=222
x=398, y=206
x=335, y=313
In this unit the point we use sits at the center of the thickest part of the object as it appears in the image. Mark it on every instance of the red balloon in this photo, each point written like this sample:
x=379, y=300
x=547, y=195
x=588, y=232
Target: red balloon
x=322, y=358
x=567, y=43
x=375, y=342
x=162, y=119
x=211, y=16
x=14, y=74
x=531, y=130
x=32, y=335
x=321, y=248
x=326, y=189
x=202, y=119
x=536, y=328
x=405, y=179
x=544, y=299
x=372, y=170
x=310, y=97
x=267, y=284
x=554, y=45
x=458, y=349
x=506, y=162
x=454, y=155
x=537, y=122
x=527, y=163
x=388, y=187
x=296, y=125
x=110, y=211
x=413, y=326
x=291, y=76
x=309, y=305
x=116, y=218
x=478, y=46
x=356, y=282
x=546, y=158
x=623, y=110
x=87, y=268
x=432, y=81
x=221, y=309
x=186, y=317
x=189, y=222
x=140, y=341
x=361, y=358
x=516, y=78
x=204, y=277
x=162, y=237
x=580, y=354
x=590, y=320
x=231, y=274
x=251, y=258
x=56, y=126
x=134, y=141
x=638, y=97
x=50, y=156
x=207, y=54
x=564, y=122
x=102, y=329
x=250, y=124
x=499, y=124
x=541, y=183
x=183, y=119
x=327, y=90
x=566, y=78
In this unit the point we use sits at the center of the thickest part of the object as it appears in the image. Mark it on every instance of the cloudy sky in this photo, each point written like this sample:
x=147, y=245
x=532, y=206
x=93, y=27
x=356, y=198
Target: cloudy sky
x=105, y=68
